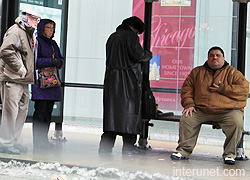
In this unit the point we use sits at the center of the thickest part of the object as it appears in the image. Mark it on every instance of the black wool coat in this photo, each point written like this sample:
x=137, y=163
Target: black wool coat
x=123, y=82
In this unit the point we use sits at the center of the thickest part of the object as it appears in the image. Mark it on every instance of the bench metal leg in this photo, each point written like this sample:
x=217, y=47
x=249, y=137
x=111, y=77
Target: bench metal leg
x=240, y=150
x=143, y=140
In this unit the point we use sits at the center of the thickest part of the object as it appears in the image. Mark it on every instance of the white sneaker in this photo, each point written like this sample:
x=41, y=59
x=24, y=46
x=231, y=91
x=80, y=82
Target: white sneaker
x=177, y=156
x=229, y=160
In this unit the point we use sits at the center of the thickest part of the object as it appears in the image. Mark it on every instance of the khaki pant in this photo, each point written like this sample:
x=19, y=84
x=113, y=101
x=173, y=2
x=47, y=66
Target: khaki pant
x=230, y=122
x=15, y=100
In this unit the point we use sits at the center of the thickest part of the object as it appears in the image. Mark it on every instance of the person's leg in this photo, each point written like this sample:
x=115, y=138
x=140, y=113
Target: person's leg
x=232, y=126
x=129, y=147
x=107, y=141
x=189, y=128
x=21, y=118
x=129, y=141
x=38, y=122
x=22, y=112
x=47, y=118
x=11, y=94
x=14, y=115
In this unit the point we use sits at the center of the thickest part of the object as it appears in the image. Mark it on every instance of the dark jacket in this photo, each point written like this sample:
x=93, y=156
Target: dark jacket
x=44, y=59
x=122, y=83
x=233, y=91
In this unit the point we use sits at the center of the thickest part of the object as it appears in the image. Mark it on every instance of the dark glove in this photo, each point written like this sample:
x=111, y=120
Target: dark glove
x=56, y=62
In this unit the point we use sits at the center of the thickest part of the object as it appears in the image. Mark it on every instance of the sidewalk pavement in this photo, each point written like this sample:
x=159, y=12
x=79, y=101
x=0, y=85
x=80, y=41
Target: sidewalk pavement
x=81, y=150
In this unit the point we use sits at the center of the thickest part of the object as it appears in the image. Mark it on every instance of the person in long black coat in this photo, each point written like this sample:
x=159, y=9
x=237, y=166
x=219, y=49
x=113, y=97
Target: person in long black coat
x=123, y=86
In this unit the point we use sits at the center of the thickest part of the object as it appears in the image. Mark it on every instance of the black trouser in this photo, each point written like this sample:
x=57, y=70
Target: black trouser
x=108, y=140
x=41, y=120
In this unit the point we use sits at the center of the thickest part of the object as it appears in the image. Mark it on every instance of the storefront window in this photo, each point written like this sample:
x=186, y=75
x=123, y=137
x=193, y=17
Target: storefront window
x=182, y=33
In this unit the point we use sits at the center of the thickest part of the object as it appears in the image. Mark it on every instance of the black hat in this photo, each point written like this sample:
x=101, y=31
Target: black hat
x=135, y=22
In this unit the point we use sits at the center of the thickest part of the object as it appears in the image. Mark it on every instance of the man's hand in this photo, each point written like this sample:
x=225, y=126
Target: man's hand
x=215, y=87
x=188, y=111
x=22, y=71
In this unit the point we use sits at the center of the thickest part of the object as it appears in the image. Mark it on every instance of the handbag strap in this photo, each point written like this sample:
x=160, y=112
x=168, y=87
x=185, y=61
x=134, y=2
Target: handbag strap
x=53, y=51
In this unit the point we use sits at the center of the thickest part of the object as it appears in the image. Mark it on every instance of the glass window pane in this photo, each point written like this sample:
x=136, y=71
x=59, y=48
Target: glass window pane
x=247, y=72
x=90, y=23
x=182, y=33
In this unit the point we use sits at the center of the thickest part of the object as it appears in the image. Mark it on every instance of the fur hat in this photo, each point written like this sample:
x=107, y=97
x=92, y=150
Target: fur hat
x=135, y=22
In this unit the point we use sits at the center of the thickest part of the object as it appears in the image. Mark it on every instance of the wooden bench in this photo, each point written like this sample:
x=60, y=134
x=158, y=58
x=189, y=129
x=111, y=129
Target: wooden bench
x=170, y=117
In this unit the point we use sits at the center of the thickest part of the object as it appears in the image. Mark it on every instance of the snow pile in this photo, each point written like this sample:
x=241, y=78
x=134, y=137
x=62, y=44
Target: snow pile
x=51, y=171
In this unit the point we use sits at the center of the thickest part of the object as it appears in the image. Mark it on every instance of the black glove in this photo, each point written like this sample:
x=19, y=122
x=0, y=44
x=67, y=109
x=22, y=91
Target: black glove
x=56, y=62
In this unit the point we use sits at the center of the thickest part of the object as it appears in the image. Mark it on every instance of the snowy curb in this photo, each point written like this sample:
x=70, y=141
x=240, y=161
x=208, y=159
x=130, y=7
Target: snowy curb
x=57, y=171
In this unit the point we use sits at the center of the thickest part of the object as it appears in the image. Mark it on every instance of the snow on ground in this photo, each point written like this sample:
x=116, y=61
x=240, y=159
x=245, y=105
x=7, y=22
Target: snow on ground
x=55, y=171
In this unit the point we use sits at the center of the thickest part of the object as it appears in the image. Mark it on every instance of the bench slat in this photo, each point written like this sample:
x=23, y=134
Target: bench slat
x=176, y=118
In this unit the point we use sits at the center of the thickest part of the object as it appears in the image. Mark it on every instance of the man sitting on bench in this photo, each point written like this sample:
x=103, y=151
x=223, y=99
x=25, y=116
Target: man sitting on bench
x=216, y=92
